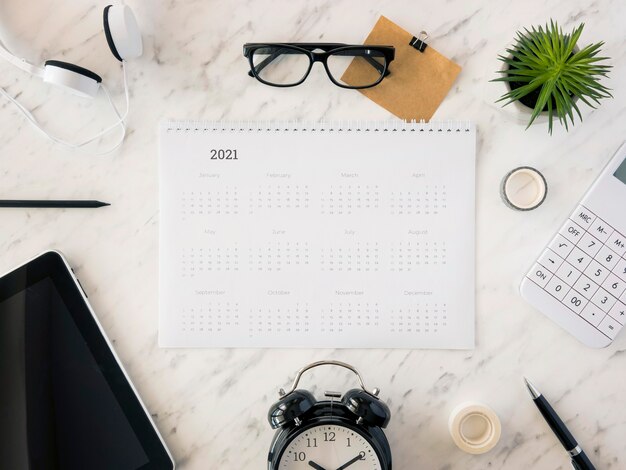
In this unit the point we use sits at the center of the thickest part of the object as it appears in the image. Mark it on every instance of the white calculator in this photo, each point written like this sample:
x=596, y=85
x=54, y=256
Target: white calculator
x=579, y=280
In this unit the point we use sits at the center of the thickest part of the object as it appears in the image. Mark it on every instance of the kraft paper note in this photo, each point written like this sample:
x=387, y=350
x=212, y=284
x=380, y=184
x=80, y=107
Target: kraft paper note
x=417, y=82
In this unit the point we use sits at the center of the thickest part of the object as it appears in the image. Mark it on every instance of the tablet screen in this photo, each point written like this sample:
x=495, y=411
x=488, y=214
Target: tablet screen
x=57, y=407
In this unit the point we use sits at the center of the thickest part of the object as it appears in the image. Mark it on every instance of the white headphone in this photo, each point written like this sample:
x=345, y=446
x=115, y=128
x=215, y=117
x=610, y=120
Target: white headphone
x=124, y=39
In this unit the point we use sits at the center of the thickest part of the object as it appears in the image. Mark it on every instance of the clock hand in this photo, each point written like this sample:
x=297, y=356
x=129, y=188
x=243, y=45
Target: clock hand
x=315, y=466
x=361, y=456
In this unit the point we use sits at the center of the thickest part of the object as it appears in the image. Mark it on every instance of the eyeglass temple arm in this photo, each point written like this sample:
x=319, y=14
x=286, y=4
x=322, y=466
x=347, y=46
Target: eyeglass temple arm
x=269, y=59
x=373, y=62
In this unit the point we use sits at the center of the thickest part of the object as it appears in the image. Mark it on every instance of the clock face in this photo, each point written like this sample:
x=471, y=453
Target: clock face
x=329, y=447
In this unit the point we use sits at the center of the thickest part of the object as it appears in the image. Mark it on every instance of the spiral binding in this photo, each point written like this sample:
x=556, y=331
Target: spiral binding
x=319, y=126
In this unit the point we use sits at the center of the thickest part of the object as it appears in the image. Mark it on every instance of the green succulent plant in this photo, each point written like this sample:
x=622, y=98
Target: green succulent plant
x=544, y=67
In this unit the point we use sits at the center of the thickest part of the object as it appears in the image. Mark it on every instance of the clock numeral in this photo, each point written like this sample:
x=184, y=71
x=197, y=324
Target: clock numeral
x=329, y=437
x=299, y=456
x=349, y=443
x=311, y=442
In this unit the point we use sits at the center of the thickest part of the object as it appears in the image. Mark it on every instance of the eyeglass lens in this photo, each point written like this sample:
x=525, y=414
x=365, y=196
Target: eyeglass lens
x=368, y=66
x=280, y=65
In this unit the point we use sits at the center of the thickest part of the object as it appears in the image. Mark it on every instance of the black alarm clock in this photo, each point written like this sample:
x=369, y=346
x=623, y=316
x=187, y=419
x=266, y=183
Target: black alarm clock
x=338, y=433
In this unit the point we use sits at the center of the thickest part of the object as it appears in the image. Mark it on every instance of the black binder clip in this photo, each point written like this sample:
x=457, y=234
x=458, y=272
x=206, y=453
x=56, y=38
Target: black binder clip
x=418, y=42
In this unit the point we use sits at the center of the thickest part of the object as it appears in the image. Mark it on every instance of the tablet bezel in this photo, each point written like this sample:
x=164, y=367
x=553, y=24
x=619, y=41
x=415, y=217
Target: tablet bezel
x=53, y=265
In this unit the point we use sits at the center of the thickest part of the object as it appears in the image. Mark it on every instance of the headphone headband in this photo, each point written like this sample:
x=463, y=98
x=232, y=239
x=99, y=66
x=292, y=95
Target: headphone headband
x=22, y=64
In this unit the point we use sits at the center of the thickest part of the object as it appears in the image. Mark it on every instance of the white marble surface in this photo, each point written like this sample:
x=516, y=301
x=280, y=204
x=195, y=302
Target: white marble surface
x=211, y=404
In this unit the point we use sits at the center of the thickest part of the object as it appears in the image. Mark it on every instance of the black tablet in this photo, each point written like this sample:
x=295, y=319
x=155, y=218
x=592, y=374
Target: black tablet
x=66, y=402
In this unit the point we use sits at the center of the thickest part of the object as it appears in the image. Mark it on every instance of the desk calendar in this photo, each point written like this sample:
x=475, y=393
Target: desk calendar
x=328, y=235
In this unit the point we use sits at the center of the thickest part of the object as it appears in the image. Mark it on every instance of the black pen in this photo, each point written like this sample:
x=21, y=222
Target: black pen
x=580, y=460
x=31, y=203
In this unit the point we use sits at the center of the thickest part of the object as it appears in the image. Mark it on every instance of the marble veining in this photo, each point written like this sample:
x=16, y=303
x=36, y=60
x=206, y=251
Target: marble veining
x=211, y=405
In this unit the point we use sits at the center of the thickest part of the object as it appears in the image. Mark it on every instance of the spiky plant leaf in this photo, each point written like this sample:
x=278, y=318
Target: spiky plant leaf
x=544, y=60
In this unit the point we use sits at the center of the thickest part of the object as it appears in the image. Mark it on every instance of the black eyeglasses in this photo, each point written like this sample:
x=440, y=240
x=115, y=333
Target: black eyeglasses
x=288, y=64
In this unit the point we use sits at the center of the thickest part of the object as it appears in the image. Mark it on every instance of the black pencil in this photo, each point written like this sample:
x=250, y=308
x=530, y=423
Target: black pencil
x=52, y=204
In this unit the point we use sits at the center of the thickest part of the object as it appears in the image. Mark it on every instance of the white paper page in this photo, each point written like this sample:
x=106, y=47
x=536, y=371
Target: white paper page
x=317, y=239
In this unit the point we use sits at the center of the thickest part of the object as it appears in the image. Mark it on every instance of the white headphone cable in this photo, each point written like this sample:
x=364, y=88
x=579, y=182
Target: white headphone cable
x=121, y=122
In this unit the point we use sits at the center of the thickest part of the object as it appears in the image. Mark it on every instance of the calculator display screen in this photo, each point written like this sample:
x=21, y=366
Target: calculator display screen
x=620, y=173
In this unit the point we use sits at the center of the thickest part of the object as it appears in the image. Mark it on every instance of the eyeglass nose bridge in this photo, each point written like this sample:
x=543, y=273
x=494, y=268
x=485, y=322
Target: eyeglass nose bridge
x=323, y=58
x=319, y=56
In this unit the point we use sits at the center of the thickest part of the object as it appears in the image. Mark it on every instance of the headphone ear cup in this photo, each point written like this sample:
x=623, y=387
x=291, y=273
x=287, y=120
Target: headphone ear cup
x=76, y=79
x=122, y=32
x=367, y=408
x=290, y=408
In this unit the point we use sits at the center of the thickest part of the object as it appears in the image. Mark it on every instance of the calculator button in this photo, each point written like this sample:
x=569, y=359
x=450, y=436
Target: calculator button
x=607, y=257
x=561, y=246
x=604, y=300
x=557, y=288
x=575, y=301
x=623, y=297
x=614, y=285
x=589, y=244
x=571, y=231
x=620, y=269
x=618, y=312
x=550, y=260
x=601, y=230
x=539, y=275
x=586, y=286
x=592, y=314
x=617, y=243
x=583, y=217
x=609, y=327
x=578, y=259
x=596, y=272
x=568, y=274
